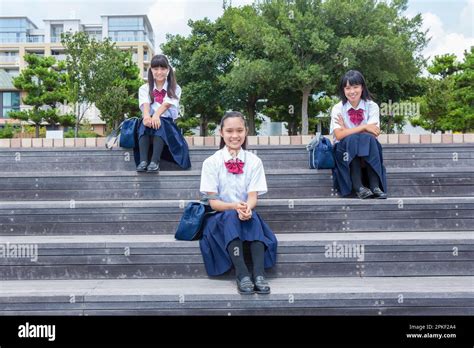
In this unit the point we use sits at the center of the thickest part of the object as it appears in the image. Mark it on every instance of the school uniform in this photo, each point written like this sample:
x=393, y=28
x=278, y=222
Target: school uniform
x=221, y=228
x=176, y=148
x=363, y=145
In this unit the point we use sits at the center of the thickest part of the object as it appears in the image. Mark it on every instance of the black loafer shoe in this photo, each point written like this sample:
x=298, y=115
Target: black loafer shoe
x=245, y=286
x=142, y=166
x=153, y=167
x=261, y=285
x=364, y=193
x=378, y=193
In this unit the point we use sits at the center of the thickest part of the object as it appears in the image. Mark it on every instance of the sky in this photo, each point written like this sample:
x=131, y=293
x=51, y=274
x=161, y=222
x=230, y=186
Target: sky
x=450, y=22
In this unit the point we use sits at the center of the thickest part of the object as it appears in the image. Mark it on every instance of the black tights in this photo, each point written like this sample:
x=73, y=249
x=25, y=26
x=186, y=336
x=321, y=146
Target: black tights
x=144, y=144
x=356, y=175
x=236, y=252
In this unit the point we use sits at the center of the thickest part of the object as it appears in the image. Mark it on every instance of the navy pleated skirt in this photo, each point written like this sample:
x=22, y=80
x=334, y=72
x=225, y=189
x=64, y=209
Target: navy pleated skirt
x=362, y=145
x=221, y=228
x=176, y=148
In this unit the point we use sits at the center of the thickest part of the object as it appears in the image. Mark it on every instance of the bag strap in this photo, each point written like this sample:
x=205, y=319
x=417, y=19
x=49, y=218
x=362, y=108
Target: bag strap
x=314, y=142
x=115, y=133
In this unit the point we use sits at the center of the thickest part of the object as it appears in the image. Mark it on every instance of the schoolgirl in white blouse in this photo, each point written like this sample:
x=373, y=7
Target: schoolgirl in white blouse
x=237, y=176
x=158, y=100
x=355, y=125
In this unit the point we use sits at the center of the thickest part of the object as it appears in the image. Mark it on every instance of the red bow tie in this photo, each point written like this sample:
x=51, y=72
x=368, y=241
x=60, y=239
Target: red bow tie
x=234, y=166
x=159, y=95
x=356, y=116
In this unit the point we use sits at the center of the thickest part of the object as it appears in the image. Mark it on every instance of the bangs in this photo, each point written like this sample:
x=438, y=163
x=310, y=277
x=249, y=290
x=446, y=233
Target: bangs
x=159, y=61
x=353, y=78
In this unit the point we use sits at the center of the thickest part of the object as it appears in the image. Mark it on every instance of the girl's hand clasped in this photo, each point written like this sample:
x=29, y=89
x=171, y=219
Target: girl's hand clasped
x=152, y=122
x=155, y=122
x=244, y=212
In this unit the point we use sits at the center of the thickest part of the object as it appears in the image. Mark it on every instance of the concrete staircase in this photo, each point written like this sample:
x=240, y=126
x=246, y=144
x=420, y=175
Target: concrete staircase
x=105, y=237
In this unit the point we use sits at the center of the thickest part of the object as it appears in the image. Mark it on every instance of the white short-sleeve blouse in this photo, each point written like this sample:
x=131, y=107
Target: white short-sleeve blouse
x=144, y=97
x=233, y=187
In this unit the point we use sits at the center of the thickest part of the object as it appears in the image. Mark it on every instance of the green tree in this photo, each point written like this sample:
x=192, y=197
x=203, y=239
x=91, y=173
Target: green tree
x=118, y=97
x=45, y=84
x=97, y=70
x=448, y=104
x=327, y=38
x=199, y=64
x=461, y=105
x=253, y=73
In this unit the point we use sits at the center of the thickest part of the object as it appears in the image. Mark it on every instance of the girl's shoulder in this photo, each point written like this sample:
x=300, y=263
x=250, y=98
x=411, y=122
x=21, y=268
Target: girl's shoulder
x=214, y=158
x=372, y=106
x=337, y=108
x=252, y=160
x=144, y=87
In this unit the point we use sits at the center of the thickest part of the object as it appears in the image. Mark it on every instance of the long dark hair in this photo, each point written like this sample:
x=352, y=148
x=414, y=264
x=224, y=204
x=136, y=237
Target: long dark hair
x=230, y=114
x=354, y=78
x=160, y=60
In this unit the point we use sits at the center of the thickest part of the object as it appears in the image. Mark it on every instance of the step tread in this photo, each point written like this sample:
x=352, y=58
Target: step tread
x=283, y=238
x=325, y=287
x=297, y=171
x=262, y=202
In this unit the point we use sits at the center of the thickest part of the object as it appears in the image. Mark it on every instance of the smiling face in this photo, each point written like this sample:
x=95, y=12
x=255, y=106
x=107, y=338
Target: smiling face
x=234, y=132
x=353, y=93
x=160, y=73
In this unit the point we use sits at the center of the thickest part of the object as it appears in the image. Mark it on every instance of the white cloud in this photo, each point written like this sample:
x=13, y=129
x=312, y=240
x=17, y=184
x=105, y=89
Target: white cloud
x=467, y=18
x=442, y=41
x=172, y=16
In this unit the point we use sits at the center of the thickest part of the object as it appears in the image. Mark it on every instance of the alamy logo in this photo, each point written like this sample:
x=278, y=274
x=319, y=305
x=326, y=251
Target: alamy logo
x=349, y=251
x=37, y=331
x=19, y=251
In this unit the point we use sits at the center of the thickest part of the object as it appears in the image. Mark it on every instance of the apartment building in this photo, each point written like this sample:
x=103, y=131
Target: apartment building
x=19, y=35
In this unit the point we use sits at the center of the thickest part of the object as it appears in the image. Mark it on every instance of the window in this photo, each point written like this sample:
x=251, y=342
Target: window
x=10, y=101
x=56, y=31
x=13, y=29
x=126, y=23
x=13, y=72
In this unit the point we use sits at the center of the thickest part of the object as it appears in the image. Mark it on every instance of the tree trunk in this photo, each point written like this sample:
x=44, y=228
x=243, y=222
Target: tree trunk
x=389, y=124
x=292, y=127
x=37, y=130
x=304, y=111
x=203, y=126
x=251, y=111
x=76, y=128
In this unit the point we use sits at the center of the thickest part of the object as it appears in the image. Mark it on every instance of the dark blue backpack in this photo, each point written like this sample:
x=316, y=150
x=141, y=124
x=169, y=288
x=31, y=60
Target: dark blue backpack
x=126, y=133
x=321, y=154
x=190, y=225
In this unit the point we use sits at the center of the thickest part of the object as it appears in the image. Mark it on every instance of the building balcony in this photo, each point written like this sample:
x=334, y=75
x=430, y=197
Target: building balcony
x=131, y=38
x=39, y=39
x=9, y=60
x=29, y=39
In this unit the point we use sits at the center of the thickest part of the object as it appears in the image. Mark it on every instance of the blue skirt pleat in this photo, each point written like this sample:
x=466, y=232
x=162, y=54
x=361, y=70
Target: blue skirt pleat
x=361, y=145
x=221, y=228
x=176, y=148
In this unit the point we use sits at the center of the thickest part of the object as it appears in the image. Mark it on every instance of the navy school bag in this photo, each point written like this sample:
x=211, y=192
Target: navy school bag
x=321, y=154
x=126, y=134
x=190, y=225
